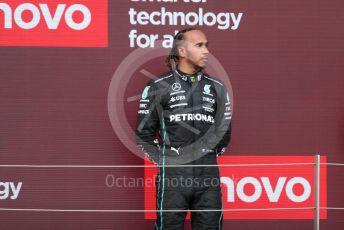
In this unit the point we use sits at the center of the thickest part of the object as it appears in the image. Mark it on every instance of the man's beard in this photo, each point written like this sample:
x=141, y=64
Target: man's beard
x=196, y=66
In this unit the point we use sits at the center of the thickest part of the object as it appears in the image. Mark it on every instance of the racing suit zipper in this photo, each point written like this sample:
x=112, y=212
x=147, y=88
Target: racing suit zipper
x=193, y=125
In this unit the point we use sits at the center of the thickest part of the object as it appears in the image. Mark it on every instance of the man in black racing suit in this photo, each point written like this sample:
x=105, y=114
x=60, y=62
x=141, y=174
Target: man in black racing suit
x=184, y=123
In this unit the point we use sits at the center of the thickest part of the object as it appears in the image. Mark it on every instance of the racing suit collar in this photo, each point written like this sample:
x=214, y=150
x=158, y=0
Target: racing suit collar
x=186, y=77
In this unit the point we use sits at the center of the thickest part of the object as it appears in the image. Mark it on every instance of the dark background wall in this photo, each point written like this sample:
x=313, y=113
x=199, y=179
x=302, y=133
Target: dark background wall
x=285, y=64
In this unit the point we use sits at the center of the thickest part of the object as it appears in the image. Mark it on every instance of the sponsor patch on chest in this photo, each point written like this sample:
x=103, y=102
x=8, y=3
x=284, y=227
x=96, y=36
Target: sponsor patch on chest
x=191, y=117
x=177, y=98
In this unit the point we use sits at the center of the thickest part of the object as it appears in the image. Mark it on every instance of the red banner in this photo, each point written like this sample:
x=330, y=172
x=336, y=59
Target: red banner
x=69, y=23
x=288, y=190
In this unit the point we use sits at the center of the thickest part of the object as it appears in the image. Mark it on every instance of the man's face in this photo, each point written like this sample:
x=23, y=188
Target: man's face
x=195, y=49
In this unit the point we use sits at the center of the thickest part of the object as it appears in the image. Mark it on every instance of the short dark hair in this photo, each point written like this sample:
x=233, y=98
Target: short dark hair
x=173, y=57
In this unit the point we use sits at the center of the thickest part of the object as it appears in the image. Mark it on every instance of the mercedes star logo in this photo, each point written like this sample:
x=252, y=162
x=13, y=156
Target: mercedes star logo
x=176, y=86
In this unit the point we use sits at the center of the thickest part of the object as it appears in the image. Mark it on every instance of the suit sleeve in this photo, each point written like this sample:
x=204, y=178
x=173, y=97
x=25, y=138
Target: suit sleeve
x=148, y=123
x=223, y=125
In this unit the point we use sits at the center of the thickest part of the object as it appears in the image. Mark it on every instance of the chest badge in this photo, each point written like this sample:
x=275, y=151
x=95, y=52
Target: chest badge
x=145, y=92
x=176, y=86
x=206, y=89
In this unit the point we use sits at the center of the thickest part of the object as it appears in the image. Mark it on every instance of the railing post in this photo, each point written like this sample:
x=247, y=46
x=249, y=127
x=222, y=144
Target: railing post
x=317, y=193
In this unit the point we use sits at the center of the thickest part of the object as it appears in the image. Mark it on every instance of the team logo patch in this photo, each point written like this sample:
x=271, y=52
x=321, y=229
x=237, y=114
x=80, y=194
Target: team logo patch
x=176, y=86
x=145, y=92
x=206, y=89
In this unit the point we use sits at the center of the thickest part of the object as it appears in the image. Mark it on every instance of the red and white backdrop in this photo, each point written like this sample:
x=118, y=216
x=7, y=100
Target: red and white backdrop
x=71, y=75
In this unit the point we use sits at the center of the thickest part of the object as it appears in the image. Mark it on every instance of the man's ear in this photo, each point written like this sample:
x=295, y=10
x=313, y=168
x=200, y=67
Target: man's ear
x=181, y=51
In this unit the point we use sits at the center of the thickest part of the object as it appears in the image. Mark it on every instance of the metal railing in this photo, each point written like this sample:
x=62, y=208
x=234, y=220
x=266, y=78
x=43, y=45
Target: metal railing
x=317, y=172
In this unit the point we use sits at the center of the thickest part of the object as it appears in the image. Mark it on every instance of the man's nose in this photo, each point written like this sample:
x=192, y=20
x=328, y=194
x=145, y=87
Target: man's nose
x=206, y=50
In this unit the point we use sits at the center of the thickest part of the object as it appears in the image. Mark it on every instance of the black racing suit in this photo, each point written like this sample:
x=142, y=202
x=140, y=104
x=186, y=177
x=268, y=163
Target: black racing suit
x=183, y=124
